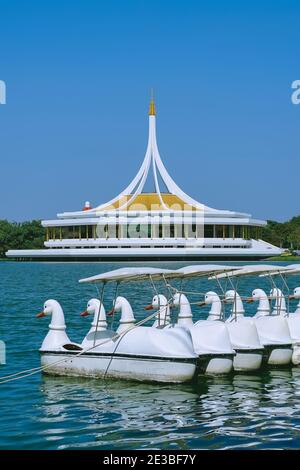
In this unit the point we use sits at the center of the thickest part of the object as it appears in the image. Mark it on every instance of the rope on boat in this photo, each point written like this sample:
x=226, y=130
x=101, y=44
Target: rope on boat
x=35, y=370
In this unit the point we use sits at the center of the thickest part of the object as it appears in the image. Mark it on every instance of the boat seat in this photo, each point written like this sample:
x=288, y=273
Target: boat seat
x=72, y=347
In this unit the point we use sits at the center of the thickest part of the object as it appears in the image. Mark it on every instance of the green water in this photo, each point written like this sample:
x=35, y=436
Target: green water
x=40, y=412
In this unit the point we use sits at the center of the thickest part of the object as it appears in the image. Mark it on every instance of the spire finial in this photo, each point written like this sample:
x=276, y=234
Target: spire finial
x=152, y=104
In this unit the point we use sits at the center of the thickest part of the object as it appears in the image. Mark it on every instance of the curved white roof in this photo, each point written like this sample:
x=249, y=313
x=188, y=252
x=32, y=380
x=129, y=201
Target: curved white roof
x=254, y=269
x=129, y=275
x=132, y=193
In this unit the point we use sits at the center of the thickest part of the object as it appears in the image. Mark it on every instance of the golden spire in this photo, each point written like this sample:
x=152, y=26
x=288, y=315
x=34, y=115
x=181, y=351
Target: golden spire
x=152, y=105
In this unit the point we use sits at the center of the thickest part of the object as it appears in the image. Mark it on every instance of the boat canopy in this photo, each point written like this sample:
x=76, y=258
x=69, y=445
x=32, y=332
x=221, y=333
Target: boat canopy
x=291, y=269
x=202, y=270
x=130, y=274
x=254, y=269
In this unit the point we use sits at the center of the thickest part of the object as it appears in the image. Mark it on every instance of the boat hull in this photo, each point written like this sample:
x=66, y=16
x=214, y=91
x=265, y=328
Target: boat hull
x=216, y=365
x=247, y=360
x=296, y=354
x=278, y=355
x=139, y=368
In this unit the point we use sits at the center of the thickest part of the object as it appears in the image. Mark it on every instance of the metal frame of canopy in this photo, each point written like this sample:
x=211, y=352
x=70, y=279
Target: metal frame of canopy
x=251, y=270
x=290, y=270
x=129, y=274
x=200, y=271
x=133, y=274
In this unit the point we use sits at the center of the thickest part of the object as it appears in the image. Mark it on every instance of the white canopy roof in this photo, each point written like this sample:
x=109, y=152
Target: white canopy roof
x=130, y=274
x=204, y=270
x=291, y=269
x=251, y=270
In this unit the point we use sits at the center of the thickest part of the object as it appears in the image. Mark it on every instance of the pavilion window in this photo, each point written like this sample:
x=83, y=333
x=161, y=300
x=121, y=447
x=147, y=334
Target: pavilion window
x=178, y=230
x=100, y=230
x=166, y=227
x=112, y=231
x=194, y=230
x=155, y=231
x=172, y=230
x=208, y=231
x=237, y=231
x=123, y=231
x=219, y=231
x=90, y=231
x=65, y=232
x=200, y=230
x=160, y=230
x=144, y=231
x=47, y=234
x=76, y=231
x=225, y=231
x=79, y=232
x=70, y=232
x=132, y=230
x=245, y=232
x=253, y=232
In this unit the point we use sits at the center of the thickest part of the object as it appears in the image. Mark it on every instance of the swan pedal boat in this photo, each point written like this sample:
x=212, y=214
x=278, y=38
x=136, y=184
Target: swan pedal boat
x=133, y=352
x=273, y=331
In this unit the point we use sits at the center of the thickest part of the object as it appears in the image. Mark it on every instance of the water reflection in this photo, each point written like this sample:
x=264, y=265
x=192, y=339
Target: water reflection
x=231, y=412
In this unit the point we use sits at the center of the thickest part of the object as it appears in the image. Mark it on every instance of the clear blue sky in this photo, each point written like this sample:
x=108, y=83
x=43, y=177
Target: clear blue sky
x=78, y=77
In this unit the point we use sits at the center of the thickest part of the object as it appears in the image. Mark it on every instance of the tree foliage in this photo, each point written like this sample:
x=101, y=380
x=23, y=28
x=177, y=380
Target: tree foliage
x=285, y=234
x=24, y=235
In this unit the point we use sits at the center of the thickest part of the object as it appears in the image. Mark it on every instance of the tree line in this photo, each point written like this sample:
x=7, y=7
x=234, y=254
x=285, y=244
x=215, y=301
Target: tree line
x=31, y=234
x=20, y=235
x=283, y=234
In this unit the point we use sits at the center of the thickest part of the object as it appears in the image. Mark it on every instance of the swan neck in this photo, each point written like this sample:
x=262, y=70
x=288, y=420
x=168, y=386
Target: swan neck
x=57, y=319
x=215, y=312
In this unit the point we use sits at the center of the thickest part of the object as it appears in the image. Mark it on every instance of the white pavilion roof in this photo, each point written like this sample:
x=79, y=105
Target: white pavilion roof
x=133, y=197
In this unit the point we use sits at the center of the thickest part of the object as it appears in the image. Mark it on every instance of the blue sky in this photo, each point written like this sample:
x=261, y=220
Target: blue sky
x=78, y=76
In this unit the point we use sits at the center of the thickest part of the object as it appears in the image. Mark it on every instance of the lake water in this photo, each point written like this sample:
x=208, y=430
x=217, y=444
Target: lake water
x=40, y=412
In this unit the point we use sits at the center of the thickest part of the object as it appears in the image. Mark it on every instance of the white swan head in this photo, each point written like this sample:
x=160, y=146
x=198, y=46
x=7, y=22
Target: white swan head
x=50, y=306
x=185, y=316
x=259, y=294
x=56, y=335
x=179, y=299
x=160, y=303
x=211, y=297
x=231, y=296
x=157, y=302
x=296, y=293
x=121, y=305
x=93, y=308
